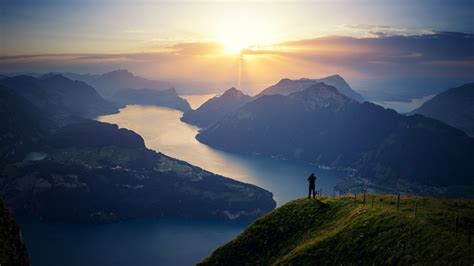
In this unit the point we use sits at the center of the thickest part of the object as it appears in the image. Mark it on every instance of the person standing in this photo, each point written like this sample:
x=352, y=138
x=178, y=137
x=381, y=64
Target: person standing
x=312, y=185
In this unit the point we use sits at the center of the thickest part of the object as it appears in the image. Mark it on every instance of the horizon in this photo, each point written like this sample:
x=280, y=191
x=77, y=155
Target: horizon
x=221, y=44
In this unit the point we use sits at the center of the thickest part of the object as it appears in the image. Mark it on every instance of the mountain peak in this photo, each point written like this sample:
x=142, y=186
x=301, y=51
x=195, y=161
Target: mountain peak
x=54, y=77
x=320, y=95
x=320, y=89
x=119, y=73
x=335, y=76
x=284, y=80
x=233, y=93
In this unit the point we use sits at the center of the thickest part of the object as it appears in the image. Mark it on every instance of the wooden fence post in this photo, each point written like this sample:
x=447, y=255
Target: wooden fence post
x=398, y=202
x=364, y=199
x=355, y=199
x=414, y=210
x=373, y=201
x=469, y=233
x=456, y=224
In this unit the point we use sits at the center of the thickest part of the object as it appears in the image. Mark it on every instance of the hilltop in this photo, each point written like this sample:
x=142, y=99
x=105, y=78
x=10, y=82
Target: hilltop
x=335, y=231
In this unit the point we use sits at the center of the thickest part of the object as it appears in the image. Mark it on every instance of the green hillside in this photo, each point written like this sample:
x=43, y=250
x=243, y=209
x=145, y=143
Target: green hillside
x=336, y=231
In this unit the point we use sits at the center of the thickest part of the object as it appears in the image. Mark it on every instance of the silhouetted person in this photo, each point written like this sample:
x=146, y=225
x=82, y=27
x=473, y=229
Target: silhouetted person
x=312, y=185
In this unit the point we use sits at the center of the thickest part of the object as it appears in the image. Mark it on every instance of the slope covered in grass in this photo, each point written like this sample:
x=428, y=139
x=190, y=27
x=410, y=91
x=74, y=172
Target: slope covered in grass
x=335, y=231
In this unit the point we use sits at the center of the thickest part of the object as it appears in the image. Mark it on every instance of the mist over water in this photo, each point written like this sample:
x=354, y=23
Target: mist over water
x=408, y=106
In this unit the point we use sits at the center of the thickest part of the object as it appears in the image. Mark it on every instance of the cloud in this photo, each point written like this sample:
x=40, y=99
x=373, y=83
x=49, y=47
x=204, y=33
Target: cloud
x=431, y=59
x=197, y=48
x=374, y=30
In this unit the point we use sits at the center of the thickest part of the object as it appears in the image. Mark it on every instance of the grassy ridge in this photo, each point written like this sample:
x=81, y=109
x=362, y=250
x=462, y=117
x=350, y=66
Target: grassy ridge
x=335, y=231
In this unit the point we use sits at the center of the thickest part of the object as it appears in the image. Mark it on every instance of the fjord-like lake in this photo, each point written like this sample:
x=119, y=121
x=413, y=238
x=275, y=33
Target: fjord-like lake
x=164, y=132
x=168, y=241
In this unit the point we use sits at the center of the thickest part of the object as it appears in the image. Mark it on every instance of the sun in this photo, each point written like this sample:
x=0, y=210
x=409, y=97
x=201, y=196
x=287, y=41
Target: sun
x=234, y=46
x=242, y=31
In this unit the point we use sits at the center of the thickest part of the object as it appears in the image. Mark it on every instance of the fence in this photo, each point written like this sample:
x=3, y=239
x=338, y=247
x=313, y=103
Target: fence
x=455, y=215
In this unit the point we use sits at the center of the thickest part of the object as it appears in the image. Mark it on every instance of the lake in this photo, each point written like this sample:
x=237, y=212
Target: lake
x=135, y=242
x=168, y=241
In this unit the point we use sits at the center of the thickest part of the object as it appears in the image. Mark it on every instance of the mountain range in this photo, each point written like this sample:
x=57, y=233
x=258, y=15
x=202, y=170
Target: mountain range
x=109, y=83
x=322, y=126
x=288, y=86
x=57, y=95
x=57, y=164
x=218, y=107
x=454, y=107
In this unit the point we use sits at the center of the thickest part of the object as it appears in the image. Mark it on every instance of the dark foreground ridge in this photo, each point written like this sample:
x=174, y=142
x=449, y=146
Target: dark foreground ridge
x=12, y=248
x=342, y=231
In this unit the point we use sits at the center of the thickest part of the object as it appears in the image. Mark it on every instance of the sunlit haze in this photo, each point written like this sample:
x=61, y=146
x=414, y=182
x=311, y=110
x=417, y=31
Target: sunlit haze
x=245, y=44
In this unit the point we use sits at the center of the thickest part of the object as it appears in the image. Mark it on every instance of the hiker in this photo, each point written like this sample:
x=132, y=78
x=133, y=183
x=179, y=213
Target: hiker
x=312, y=185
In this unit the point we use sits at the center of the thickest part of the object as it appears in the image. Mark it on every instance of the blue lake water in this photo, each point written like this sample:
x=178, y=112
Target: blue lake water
x=135, y=242
x=168, y=241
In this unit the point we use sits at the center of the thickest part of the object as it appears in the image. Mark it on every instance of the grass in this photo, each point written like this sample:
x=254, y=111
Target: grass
x=337, y=231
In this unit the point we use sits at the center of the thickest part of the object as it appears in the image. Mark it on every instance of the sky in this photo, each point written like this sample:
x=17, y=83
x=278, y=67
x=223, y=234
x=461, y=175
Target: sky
x=247, y=44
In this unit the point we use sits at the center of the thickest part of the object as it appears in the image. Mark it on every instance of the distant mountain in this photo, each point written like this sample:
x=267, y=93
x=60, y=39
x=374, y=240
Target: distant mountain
x=60, y=95
x=287, y=86
x=322, y=126
x=109, y=83
x=454, y=107
x=167, y=98
x=216, y=108
x=79, y=170
x=13, y=250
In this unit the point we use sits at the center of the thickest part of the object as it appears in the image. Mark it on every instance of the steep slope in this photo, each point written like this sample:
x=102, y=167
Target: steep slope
x=287, y=86
x=95, y=172
x=322, y=126
x=454, y=107
x=335, y=232
x=216, y=108
x=56, y=92
x=167, y=98
x=12, y=249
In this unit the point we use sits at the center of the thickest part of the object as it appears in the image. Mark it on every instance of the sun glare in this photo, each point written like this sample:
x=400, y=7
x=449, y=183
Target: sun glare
x=242, y=31
x=233, y=46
